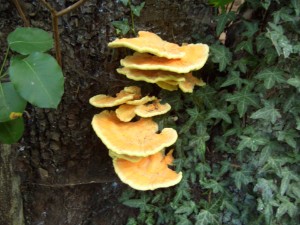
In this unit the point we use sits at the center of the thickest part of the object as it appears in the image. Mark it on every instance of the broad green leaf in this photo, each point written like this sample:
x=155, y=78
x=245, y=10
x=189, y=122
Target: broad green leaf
x=219, y=3
x=262, y=42
x=233, y=79
x=271, y=76
x=265, y=188
x=38, y=79
x=279, y=40
x=265, y=4
x=215, y=186
x=286, y=207
x=289, y=137
x=205, y=217
x=219, y=114
x=268, y=113
x=193, y=117
x=296, y=5
x=11, y=104
x=222, y=20
x=252, y=142
x=11, y=131
x=294, y=82
x=242, y=177
x=221, y=55
x=206, y=95
x=122, y=27
x=243, y=99
x=125, y=2
x=26, y=40
x=136, y=9
x=251, y=29
x=245, y=45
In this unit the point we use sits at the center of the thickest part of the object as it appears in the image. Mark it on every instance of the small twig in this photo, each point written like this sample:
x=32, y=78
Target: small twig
x=21, y=13
x=132, y=18
x=56, y=39
x=48, y=6
x=55, y=16
x=231, y=6
x=70, y=8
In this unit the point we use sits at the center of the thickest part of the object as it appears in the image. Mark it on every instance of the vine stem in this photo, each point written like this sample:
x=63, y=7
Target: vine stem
x=55, y=15
x=4, y=60
x=21, y=13
x=132, y=18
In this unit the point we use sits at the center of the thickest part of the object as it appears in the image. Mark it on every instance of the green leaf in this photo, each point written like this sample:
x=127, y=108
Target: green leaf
x=219, y=114
x=206, y=95
x=26, y=40
x=193, y=117
x=243, y=99
x=121, y=26
x=251, y=29
x=289, y=137
x=221, y=55
x=245, y=45
x=252, y=142
x=136, y=9
x=11, y=131
x=215, y=186
x=296, y=5
x=262, y=42
x=222, y=20
x=220, y=3
x=233, y=79
x=286, y=207
x=268, y=113
x=266, y=4
x=38, y=79
x=279, y=40
x=11, y=104
x=242, y=177
x=295, y=82
x=125, y=2
x=271, y=76
x=205, y=217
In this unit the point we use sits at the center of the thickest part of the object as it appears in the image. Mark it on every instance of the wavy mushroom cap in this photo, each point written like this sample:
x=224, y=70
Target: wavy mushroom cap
x=149, y=173
x=114, y=155
x=152, y=109
x=190, y=82
x=194, y=59
x=126, y=112
x=148, y=42
x=150, y=76
x=138, y=138
x=127, y=94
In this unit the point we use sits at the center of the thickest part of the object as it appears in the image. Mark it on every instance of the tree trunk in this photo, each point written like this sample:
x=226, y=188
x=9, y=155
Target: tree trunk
x=11, y=204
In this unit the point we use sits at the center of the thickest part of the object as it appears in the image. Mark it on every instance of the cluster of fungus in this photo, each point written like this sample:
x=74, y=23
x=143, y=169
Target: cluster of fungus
x=137, y=147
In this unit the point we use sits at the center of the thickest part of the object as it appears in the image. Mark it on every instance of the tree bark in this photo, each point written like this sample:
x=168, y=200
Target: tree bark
x=11, y=204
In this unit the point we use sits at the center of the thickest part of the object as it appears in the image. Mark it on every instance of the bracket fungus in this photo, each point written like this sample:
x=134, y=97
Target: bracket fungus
x=127, y=112
x=138, y=138
x=152, y=109
x=194, y=59
x=102, y=101
x=150, y=43
x=150, y=76
x=149, y=173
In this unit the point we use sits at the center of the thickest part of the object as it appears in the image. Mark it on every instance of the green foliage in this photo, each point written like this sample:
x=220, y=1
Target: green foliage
x=34, y=77
x=124, y=26
x=239, y=139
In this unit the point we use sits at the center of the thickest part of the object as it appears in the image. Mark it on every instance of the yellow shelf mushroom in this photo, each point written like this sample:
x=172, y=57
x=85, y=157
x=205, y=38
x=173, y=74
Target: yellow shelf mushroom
x=138, y=138
x=149, y=173
x=150, y=43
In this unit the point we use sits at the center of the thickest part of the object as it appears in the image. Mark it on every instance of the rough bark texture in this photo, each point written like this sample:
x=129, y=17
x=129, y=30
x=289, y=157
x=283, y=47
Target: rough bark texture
x=67, y=176
x=11, y=208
